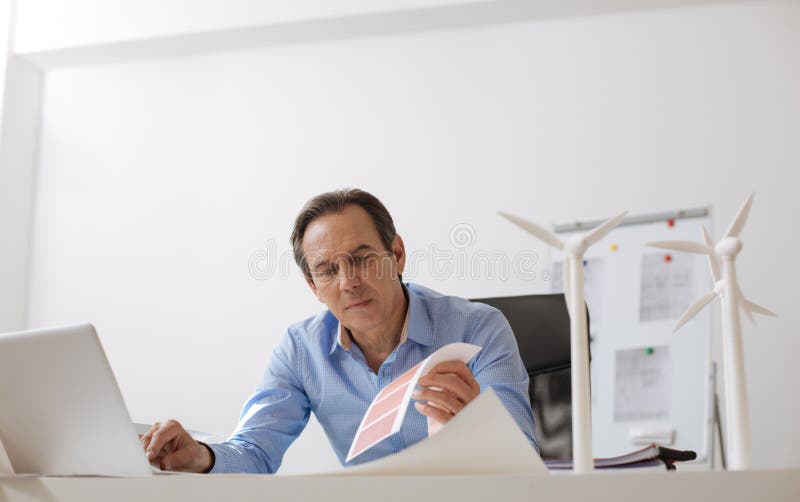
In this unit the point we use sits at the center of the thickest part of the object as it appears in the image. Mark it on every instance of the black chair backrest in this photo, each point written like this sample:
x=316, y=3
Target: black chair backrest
x=541, y=325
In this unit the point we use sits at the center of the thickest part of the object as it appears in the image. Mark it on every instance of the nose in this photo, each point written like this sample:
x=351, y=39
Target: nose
x=349, y=279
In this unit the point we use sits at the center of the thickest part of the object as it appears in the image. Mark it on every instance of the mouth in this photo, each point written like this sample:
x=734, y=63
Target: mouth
x=357, y=305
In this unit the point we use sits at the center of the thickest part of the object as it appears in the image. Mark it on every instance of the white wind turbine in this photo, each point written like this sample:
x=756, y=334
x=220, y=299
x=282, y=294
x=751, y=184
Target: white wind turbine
x=573, y=249
x=727, y=288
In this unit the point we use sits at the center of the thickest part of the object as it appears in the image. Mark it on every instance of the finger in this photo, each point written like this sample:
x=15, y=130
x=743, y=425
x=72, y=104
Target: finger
x=451, y=367
x=160, y=440
x=441, y=399
x=166, y=433
x=153, y=428
x=450, y=383
x=147, y=436
x=432, y=411
x=460, y=369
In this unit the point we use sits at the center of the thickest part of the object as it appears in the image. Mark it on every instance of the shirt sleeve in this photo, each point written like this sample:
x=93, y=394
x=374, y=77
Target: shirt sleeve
x=271, y=419
x=500, y=367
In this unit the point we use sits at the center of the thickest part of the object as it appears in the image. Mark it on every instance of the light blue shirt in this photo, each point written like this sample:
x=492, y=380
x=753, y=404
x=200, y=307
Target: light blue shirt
x=310, y=370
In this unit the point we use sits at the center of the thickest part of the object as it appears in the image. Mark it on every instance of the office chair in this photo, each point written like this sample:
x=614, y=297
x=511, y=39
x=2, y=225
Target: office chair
x=541, y=326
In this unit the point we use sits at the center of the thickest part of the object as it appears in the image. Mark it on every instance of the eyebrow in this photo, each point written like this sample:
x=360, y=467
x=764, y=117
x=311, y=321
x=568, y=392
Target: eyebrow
x=362, y=247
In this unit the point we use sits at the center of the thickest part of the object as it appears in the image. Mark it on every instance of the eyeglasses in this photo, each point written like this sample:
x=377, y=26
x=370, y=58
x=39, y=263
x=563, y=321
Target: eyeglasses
x=365, y=265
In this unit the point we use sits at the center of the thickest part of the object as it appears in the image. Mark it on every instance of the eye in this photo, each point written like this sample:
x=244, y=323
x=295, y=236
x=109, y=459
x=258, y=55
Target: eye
x=324, y=274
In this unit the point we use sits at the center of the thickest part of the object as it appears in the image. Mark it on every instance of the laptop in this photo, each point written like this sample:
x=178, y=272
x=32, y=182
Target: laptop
x=61, y=411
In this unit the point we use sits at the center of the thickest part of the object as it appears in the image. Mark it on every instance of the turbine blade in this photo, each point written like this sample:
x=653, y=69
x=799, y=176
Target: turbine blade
x=532, y=228
x=685, y=246
x=741, y=217
x=747, y=311
x=603, y=230
x=713, y=264
x=742, y=304
x=758, y=309
x=693, y=309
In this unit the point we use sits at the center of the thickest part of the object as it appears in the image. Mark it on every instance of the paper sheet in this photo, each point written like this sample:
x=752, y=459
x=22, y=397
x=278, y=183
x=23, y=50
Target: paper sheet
x=385, y=414
x=482, y=439
x=642, y=384
x=6, y=469
x=667, y=286
x=592, y=287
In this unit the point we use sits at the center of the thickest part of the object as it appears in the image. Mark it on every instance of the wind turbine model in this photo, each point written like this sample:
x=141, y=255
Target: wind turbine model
x=573, y=249
x=728, y=289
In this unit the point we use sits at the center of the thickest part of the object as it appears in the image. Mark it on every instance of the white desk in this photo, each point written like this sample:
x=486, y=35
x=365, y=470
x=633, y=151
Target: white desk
x=759, y=486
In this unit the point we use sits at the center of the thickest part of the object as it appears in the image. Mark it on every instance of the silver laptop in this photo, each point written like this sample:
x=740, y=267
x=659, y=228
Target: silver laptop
x=61, y=411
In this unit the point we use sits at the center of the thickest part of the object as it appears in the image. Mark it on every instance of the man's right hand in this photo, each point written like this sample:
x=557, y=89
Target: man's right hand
x=170, y=448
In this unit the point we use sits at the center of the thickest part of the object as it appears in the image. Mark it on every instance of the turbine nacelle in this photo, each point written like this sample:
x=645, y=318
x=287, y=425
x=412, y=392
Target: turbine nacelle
x=575, y=246
x=728, y=247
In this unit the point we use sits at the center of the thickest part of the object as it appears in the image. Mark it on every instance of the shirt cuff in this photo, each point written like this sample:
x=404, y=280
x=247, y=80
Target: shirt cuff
x=230, y=458
x=213, y=456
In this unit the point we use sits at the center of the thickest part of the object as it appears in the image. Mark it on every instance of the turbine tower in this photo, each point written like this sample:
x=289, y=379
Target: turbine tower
x=727, y=287
x=574, y=248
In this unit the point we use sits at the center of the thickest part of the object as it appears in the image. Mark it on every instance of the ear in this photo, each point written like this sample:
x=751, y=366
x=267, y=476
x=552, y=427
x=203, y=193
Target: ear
x=399, y=251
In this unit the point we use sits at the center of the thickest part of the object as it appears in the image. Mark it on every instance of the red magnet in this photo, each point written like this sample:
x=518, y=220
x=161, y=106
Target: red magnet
x=670, y=222
x=667, y=258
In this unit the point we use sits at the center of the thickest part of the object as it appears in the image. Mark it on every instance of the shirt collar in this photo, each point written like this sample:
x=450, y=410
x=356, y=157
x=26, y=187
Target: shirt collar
x=417, y=325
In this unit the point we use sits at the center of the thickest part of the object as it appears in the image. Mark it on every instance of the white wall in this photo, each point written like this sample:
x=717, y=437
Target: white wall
x=53, y=25
x=56, y=34
x=46, y=25
x=159, y=180
x=20, y=85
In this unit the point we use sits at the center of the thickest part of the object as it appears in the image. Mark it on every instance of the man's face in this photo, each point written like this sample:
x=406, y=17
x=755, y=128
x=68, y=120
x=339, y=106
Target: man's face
x=352, y=273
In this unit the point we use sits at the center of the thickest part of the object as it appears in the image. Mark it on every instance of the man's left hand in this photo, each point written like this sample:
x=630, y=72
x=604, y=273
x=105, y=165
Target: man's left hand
x=447, y=389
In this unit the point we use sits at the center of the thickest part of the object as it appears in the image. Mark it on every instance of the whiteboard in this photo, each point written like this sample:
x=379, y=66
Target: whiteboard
x=647, y=382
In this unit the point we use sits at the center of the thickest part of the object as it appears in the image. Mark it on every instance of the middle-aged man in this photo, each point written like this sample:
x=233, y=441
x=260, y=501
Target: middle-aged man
x=375, y=328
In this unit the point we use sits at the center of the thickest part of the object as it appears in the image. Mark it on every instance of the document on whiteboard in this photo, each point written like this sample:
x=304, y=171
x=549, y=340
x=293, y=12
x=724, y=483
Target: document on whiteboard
x=642, y=384
x=385, y=414
x=667, y=286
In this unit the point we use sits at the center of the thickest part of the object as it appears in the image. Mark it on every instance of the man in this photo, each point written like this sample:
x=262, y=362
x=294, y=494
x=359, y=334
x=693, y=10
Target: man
x=374, y=330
